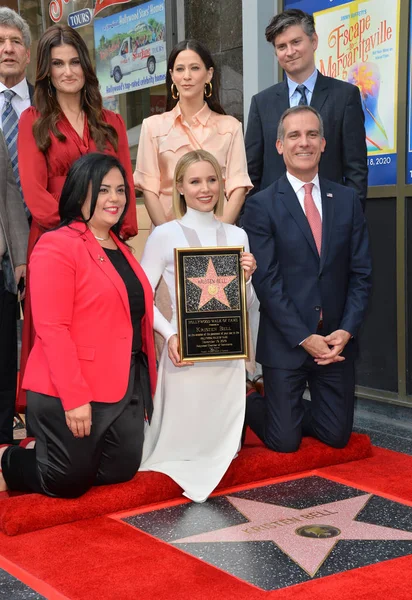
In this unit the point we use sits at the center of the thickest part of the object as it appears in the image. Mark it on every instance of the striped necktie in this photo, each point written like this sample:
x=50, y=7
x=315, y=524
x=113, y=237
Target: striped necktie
x=302, y=91
x=10, y=122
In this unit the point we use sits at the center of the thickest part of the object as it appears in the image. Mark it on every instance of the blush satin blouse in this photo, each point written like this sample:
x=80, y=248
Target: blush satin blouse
x=165, y=138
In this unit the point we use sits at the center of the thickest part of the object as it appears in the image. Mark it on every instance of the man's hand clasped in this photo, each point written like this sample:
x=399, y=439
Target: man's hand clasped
x=327, y=349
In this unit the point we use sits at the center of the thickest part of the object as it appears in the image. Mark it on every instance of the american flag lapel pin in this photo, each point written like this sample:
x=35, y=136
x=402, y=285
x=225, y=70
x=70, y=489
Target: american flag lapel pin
x=329, y=195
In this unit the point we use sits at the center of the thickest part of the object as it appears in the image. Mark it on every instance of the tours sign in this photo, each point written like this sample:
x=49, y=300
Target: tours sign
x=80, y=18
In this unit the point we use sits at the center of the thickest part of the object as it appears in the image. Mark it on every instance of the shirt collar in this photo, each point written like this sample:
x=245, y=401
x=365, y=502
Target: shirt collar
x=175, y=112
x=201, y=116
x=309, y=83
x=297, y=184
x=21, y=89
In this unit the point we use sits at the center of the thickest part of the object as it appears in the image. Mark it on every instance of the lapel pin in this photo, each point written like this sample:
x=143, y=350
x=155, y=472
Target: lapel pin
x=101, y=258
x=329, y=195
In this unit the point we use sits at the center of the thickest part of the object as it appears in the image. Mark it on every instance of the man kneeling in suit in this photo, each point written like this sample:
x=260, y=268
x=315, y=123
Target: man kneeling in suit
x=313, y=280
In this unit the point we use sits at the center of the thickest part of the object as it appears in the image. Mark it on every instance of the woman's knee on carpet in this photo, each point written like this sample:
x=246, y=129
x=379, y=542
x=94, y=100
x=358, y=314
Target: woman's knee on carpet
x=57, y=487
x=68, y=481
x=119, y=469
x=123, y=447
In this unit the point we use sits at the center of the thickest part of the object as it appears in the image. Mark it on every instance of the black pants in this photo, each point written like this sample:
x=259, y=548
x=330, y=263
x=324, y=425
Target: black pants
x=280, y=418
x=8, y=361
x=64, y=466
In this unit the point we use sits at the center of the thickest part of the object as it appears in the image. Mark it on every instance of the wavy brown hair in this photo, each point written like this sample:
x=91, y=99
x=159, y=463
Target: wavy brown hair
x=45, y=99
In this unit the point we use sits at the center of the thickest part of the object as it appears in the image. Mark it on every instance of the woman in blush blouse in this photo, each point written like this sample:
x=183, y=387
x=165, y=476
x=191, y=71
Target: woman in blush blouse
x=67, y=121
x=194, y=120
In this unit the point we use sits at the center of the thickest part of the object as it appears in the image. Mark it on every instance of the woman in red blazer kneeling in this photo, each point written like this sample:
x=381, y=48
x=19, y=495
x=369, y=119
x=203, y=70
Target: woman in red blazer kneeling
x=91, y=373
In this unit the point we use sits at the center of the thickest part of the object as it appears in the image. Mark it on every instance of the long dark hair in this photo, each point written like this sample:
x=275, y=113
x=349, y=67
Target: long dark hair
x=90, y=169
x=45, y=94
x=214, y=100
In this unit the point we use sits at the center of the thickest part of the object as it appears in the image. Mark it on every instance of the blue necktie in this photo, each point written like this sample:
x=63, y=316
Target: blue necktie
x=302, y=91
x=10, y=122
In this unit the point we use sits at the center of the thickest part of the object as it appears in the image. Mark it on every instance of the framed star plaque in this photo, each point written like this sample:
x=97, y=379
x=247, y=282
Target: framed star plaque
x=211, y=303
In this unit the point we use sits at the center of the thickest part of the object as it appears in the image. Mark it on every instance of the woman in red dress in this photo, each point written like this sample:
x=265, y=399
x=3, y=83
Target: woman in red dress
x=68, y=120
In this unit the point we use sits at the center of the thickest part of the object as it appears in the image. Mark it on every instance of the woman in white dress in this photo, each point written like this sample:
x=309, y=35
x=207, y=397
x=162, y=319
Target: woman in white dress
x=199, y=408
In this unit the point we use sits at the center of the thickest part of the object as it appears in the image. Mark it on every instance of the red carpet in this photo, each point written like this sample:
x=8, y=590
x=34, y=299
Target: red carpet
x=31, y=512
x=106, y=559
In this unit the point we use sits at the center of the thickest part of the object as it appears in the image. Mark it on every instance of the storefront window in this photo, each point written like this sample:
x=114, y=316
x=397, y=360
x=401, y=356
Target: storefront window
x=127, y=44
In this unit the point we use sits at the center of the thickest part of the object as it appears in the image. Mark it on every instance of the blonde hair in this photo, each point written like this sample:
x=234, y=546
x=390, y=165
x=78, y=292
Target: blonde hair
x=179, y=203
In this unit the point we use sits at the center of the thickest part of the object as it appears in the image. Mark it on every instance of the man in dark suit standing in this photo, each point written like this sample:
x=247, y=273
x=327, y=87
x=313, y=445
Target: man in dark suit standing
x=294, y=38
x=313, y=280
x=16, y=94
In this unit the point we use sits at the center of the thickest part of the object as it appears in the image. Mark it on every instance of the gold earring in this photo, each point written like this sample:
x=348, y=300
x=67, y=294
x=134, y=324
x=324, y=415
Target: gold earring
x=209, y=83
x=175, y=95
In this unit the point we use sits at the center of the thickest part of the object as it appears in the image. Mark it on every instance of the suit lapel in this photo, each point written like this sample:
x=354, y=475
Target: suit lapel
x=282, y=97
x=292, y=204
x=320, y=92
x=99, y=256
x=327, y=219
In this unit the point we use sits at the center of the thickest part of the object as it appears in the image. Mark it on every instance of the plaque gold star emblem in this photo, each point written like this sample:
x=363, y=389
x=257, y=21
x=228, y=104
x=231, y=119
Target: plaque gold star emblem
x=212, y=285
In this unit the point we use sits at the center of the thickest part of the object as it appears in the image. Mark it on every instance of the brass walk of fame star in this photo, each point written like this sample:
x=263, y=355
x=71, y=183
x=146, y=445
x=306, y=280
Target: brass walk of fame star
x=212, y=285
x=306, y=536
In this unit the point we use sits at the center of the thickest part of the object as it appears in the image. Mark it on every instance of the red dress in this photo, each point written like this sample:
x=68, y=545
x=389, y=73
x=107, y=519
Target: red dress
x=42, y=178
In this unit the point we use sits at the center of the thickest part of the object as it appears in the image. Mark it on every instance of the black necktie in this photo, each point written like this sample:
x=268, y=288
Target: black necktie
x=302, y=91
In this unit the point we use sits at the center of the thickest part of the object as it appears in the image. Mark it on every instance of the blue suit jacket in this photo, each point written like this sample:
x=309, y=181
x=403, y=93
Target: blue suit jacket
x=293, y=283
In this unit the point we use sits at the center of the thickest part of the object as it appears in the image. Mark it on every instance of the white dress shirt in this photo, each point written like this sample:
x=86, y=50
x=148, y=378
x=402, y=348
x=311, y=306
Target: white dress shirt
x=294, y=96
x=21, y=100
x=300, y=191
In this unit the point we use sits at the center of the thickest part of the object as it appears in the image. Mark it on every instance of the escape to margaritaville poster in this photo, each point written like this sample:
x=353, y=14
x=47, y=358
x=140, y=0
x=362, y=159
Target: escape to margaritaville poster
x=359, y=43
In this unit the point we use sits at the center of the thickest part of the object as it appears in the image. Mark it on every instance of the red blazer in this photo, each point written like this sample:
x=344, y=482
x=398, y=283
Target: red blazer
x=82, y=320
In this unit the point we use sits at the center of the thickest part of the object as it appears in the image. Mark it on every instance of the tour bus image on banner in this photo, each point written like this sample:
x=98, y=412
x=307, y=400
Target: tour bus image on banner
x=359, y=43
x=130, y=49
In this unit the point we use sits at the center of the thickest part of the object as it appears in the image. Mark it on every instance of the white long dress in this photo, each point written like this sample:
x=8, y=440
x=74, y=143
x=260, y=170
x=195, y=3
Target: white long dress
x=198, y=410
